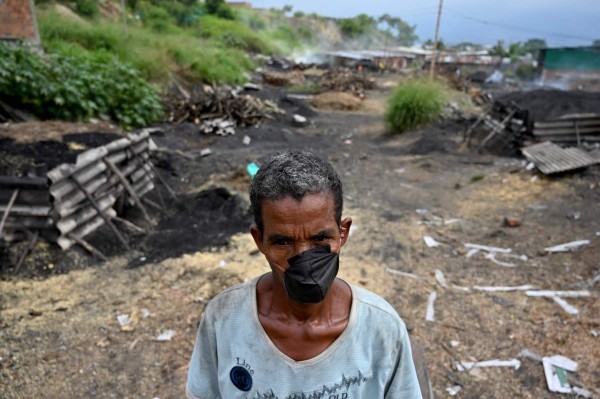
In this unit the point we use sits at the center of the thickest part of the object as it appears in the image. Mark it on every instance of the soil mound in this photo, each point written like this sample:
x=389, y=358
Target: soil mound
x=337, y=101
x=550, y=104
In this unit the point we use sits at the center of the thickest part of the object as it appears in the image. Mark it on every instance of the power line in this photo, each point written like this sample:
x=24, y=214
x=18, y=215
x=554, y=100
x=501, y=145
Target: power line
x=456, y=14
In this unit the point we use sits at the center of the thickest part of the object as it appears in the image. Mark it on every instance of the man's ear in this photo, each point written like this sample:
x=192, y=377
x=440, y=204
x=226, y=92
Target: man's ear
x=257, y=236
x=345, y=230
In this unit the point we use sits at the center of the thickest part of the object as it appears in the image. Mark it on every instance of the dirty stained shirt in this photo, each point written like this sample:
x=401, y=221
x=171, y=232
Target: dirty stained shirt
x=234, y=357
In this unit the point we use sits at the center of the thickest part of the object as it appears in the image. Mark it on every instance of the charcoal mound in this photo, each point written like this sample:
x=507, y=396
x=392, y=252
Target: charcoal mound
x=550, y=104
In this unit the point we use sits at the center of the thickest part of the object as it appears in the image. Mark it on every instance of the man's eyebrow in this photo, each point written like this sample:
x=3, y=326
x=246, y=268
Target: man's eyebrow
x=322, y=234
x=278, y=237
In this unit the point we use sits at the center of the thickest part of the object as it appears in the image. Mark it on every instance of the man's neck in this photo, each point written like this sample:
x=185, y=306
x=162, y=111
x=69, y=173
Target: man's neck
x=277, y=303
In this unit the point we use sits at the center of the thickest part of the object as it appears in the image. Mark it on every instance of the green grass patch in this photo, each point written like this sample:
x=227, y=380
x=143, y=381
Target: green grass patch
x=414, y=104
x=234, y=34
x=156, y=51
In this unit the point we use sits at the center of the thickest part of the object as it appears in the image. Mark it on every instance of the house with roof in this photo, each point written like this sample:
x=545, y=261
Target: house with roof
x=570, y=68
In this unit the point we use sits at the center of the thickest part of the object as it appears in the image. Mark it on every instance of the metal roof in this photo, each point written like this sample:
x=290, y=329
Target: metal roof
x=550, y=158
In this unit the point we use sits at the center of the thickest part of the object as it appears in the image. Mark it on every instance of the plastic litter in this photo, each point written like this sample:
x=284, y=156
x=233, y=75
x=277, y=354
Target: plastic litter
x=503, y=289
x=246, y=140
x=466, y=366
x=439, y=276
x=555, y=368
x=569, y=246
x=454, y=390
x=403, y=274
x=124, y=320
x=567, y=307
x=166, y=336
x=564, y=294
x=430, y=314
x=430, y=242
x=205, y=152
x=252, y=169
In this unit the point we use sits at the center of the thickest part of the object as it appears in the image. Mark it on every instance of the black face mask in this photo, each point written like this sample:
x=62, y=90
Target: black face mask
x=310, y=274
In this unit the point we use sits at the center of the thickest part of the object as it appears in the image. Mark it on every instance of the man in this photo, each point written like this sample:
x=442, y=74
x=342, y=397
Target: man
x=299, y=332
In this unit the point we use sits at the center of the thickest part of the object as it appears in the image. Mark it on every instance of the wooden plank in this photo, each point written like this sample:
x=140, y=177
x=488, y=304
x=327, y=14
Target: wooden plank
x=550, y=158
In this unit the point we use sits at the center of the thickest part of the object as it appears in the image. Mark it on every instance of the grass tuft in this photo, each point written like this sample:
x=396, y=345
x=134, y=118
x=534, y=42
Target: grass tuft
x=414, y=104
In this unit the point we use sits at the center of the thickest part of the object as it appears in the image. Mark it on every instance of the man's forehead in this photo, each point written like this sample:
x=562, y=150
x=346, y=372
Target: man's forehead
x=321, y=201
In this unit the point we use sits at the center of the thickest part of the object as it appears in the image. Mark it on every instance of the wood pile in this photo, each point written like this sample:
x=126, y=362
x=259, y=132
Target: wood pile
x=218, y=110
x=345, y=80
x=283, y=78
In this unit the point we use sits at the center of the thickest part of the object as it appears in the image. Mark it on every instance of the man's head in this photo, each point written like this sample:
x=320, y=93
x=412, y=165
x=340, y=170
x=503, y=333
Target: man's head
x=294, y=174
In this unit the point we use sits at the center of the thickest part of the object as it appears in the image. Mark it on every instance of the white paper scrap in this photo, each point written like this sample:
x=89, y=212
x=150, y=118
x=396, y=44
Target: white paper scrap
x=430, y=242
x=430, y=314
x=453, y=391
x=563, y=362
x=166, y=336
x=246, y=140
x=146, y=313
x=503, y=289
x=403, y=274
x=563, y=294
x=465, y=366
x=570, y=246
x=487, y=248
x=567, y=307
x=439, y=276
x=554, y=384
x=454, y=343
x=492, y=256
x=123, y=320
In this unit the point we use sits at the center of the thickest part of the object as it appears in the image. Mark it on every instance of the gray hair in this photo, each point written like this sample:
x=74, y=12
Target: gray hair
x=294, y=173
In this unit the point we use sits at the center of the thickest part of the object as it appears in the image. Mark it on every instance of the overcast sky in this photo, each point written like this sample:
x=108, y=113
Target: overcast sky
x=560, y=22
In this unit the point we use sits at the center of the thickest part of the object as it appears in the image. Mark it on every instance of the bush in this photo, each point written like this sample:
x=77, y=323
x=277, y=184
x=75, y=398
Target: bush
x=414, y=104
x=525, y=72
x=234, y=33
x=87, y=8
x=76, y=87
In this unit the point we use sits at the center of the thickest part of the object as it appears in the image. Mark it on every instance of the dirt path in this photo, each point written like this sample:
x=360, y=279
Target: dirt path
x=60, y=336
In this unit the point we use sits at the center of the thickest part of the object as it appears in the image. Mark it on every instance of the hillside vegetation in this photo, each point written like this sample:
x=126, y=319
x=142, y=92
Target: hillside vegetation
x=94, y=48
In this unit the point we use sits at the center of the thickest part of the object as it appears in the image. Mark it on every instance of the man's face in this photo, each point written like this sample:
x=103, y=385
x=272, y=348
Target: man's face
x=292, y=227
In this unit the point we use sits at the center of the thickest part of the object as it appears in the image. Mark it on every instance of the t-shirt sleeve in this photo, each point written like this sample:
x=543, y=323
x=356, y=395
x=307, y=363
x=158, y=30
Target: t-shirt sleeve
x=202, y=382
x=404, y=383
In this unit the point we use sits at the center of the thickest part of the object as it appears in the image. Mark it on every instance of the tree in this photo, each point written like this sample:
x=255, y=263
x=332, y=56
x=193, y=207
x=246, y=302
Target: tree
x=211, y=6
x=499, y=49
x=360, y=25
x=534, y=45
x=402, y=32
x=287, y=8
x=596, y=43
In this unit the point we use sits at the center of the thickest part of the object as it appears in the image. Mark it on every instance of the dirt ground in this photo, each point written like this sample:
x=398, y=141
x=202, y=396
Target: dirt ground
x=58, y=318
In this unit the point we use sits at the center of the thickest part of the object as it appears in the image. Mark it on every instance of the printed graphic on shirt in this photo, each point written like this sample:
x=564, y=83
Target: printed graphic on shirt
x=241, y=375
x=338, y=390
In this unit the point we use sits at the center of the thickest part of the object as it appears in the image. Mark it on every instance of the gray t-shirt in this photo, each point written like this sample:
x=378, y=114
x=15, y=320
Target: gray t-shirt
x=234, y=357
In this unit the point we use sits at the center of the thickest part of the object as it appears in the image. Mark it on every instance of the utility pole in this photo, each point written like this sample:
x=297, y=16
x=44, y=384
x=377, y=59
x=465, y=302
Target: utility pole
x=435, y=41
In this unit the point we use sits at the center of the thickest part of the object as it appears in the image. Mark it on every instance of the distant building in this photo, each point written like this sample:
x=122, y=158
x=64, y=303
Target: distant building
x=17, y=21
x=391, y=59
x=239, y=4
x=570, y=68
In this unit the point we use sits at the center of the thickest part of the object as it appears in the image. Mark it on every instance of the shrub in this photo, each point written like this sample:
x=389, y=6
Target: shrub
x=77, y=87
x=234, y=33
x=414, y=104
x=87, y=8
x=525, y=72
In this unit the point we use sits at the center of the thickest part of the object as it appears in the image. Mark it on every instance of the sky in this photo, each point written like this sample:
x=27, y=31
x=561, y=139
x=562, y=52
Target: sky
x=560, y=22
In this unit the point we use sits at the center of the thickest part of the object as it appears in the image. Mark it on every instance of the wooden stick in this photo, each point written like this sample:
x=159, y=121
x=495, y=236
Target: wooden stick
x=130, y=225
x=102, y=214
x=87, y=246
x=29, y=247
x=497, y=129
x=128, y=187
x=162, y=180
x=11, y=202
x=153, y=204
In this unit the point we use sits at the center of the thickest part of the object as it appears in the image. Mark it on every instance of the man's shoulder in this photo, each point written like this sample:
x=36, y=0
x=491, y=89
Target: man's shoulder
x=376, y=304
x=231, y=298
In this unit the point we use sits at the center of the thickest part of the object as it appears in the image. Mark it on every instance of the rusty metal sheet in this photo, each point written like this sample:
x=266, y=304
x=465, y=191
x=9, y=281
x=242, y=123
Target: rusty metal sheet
x=550, y=158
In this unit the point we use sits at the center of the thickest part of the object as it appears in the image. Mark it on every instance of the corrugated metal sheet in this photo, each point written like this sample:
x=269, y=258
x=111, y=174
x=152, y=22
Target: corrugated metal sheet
x=575, y=128
x=550, y=158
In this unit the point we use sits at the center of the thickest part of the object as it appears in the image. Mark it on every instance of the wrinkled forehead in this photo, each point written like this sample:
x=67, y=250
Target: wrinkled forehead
x=291, y=210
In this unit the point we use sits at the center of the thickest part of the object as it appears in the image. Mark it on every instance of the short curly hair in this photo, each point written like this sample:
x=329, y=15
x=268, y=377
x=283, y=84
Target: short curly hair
x=294, y=173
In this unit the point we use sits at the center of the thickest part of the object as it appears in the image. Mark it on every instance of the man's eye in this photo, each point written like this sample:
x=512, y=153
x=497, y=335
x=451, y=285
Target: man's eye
x=321, y=238
x=281, y=242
